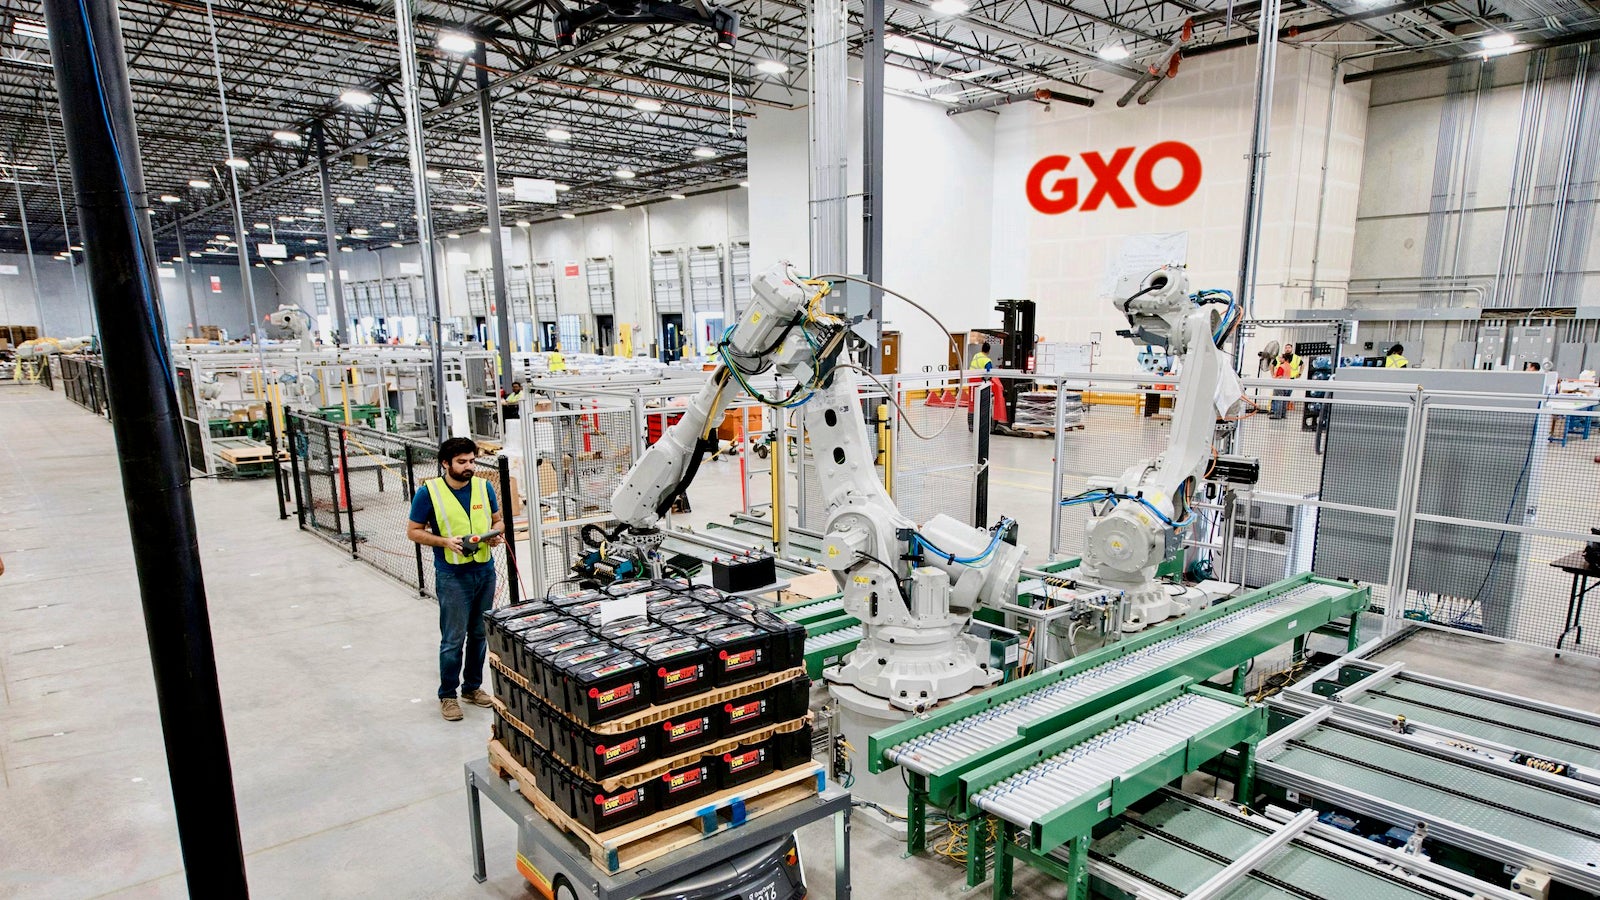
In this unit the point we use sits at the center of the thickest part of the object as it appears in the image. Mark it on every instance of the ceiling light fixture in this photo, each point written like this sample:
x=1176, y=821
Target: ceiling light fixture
x=618, y=206
x=355, y=98
x=625, y=174
x=704, y=152
x=345, y=201
x=483, y=230
x=220, y=237
x=1498, y=43
x=680, y=196
x=263, y=226
x=171, y=198
x=194, y=252
x=431, y=173
x=771, y=67
x=285, y=136
x=286, y=218
x=347, y=250
x=235, y=162
x=645, y=104
x=523, y=223
x=558, y=134
x=200, y=184
x=312, y=211
x=568, y=216
x=945, y=98
x=455, y=42
x=1113, y=52
x=744, y=184
x=383, y=188
x=460, y=207
x=359, y=232
x=563, y=188
x=453, y=236
x=950, y=7
x=397, y=244
x=387, y=225
x=25, y=28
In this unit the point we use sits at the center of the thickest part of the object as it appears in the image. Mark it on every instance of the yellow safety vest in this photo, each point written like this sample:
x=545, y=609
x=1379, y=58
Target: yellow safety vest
x=457, y=522
x=1396, y=361
x=1294, y=366
x=981, y=360
x=558, y=363
x=513, y=398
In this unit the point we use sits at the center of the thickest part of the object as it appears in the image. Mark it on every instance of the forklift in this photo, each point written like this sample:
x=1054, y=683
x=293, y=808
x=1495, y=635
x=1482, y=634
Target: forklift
x=1015, y=339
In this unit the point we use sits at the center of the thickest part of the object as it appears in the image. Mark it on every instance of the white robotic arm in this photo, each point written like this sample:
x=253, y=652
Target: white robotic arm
x=1143, y=511
x=912, y=590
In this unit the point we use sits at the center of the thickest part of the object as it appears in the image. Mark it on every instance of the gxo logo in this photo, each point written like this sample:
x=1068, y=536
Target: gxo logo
x=1059, y=195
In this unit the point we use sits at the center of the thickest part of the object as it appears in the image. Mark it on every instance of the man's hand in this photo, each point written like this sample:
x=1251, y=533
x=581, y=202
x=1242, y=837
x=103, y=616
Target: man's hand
x=452, y=544
x=496, y=540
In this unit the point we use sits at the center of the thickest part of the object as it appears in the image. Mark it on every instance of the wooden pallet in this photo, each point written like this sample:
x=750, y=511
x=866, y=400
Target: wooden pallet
x=652, y=715
x=638, y=842
x=637, y=776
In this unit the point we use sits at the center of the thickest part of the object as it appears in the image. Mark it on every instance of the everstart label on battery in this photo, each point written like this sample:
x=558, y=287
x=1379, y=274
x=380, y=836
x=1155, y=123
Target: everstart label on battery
x=681, y=781
x=738, y=762
x=615, y=752
x=738, y=712
x=673, y=678
x=689, y=728
x=744, y=659
x=618, y=802
x=612, y=696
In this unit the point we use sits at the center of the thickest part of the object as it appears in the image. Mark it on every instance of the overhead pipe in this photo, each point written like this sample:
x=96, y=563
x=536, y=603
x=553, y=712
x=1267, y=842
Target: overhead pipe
x=1569, y=150
x=1580, y=37
x=330, y=236
x=243, y=237
x=1297, y=30
x=1043, y=95
x=1166, y=68
x=1255, y=184
x=91, y=76
x=872, y=168
x=1532, y=111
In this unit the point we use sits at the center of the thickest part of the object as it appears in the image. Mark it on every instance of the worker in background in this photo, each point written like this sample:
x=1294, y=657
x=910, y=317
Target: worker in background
x=1282, y=369
x=557, y=362
x=1531, y=366
x=1294, y=360
x=981, y=360
x=446, y=510
x=513, y=402
x=1396, y=359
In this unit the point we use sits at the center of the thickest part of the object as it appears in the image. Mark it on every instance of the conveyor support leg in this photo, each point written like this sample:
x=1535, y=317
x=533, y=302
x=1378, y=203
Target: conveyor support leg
x=977, y=850
x=1354, y=640
x=1238, y=679
x=1244, y=791
x=1299, y=648
x=1003, y=862
x=917, y=816
x=1078, y=869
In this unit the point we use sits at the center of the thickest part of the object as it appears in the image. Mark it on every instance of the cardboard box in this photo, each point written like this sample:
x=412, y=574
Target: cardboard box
x=809, y=587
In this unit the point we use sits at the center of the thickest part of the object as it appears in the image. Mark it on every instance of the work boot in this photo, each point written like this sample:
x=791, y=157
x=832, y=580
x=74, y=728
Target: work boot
x=450, y=708
x=477, y=697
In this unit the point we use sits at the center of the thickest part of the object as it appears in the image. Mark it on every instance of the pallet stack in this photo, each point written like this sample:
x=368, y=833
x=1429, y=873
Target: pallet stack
x=1037, y=410
x=614, y=721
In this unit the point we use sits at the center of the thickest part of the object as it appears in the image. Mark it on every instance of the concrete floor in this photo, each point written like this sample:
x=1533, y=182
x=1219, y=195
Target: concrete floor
x=348, y=782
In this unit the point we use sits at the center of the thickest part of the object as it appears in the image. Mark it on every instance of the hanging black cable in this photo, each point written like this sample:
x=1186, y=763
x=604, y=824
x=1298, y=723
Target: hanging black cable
x=91, y=75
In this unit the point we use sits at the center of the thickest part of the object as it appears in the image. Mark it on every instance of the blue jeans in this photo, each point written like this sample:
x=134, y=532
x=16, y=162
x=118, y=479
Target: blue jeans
x=465, y=594
x=1280, y=408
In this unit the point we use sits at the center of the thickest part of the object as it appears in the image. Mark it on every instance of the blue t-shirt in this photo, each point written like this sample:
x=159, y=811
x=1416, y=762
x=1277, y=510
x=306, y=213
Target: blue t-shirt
x=422, y=514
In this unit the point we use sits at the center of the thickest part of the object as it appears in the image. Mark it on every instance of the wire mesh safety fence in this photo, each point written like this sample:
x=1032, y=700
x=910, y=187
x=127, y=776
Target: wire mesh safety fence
x=1501, y=495
x=353, y=486
x=939, y=443
x=83, y=380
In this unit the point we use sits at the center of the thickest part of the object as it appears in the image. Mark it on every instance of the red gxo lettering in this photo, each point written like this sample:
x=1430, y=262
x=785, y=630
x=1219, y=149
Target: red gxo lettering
x=1052, y=191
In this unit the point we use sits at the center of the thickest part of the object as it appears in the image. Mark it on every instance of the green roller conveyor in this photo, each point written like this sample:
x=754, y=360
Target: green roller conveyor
x=1182, y=843
x=1542, y=733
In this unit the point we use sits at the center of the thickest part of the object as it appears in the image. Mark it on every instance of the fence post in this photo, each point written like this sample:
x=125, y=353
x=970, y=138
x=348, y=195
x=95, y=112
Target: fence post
x=349, y=501
x=985, y=408
x=410, y=481
x=506, y=497
x=277, y=464
x=292, y=439
x=1056, y=488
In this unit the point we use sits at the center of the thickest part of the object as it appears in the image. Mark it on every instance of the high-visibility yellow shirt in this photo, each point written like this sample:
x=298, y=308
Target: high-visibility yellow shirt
x=981, y=360
x=457, y=522
x=558, y=363
x=1294, y=366
x=1396, y=361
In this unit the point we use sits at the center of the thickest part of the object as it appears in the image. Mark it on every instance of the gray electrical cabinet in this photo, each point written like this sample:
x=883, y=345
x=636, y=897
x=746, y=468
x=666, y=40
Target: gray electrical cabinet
x=1478, y=465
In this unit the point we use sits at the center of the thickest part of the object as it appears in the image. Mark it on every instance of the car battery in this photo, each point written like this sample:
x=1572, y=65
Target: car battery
x=561, y=601
x=745, y=572
x=791, y=748
x=601, y=756
x=788, y=644
x=682, y=668
x=496, y=620
x=600, y=810
x=608, y=688
x=522, y=660
x=582, y=612
x=740, y=651
x=559, y=669
x=545, y=771
x=738, y=607
x=744, y=763
x=706, y=595
x=508, y=692
x=559, y=736
x=681, y=614
x=621, y=628
x=504, y=640
x=686, y=784
x=777, y=704
x=680, y=734
x=639, y=640
x=543, y=676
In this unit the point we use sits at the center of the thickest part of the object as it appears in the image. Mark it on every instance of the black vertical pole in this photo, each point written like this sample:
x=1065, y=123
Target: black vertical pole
x=277, y=464
x=333, y=477
x=91, y=75
x=292, y=437
x=349, y=501
x=506, y=498
x=872, y=167
x=411, y=490
x=983, y=399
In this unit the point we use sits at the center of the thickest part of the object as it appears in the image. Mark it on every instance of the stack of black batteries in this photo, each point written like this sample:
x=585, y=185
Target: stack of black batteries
x=593, y=701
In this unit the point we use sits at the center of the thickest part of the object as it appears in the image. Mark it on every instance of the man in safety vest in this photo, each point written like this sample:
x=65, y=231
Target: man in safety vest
x=556, y=361
x=458, y=515
x=513, y=401
x=981, y=361
x=1294, y=360
x=1396, y=358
